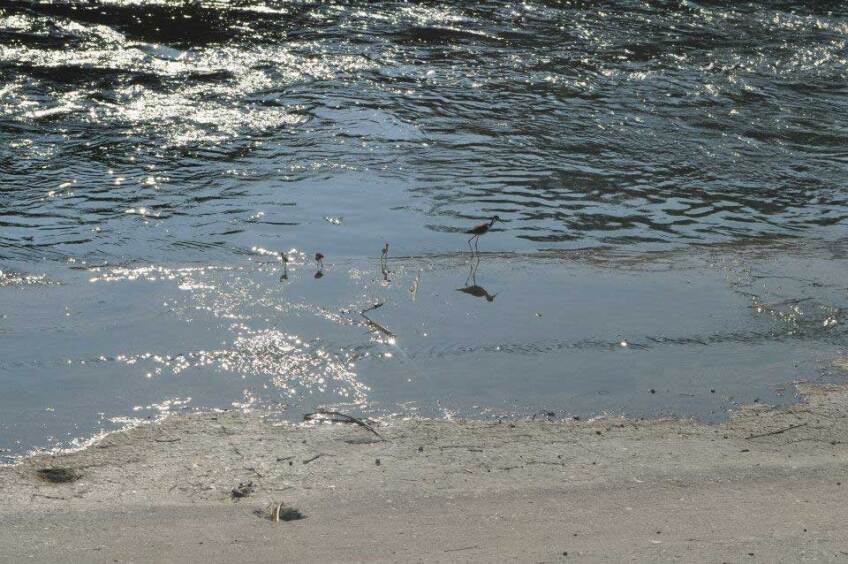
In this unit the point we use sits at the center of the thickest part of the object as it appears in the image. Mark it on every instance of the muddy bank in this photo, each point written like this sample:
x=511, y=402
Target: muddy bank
x=765, y=485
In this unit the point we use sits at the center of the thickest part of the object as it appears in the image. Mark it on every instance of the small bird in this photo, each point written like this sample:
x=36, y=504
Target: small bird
x=481, y=229
x=319, y=263
x=384, y=268
x=285, y=258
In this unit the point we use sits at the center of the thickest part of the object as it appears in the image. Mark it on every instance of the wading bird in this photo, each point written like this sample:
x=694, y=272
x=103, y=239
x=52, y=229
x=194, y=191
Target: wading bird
x=478, y=230
x=285, y=258
x=319, y=263
x=384, y=266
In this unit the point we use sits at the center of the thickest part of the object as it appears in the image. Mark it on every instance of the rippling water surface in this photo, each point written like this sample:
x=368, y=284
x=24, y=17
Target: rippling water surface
x=156, y=156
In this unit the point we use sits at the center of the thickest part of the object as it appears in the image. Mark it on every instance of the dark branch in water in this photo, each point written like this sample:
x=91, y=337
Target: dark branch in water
x=377, y=326
x=373, y=323
x=372, y=308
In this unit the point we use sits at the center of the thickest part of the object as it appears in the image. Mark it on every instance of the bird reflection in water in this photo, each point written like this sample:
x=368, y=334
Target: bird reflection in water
x=471, y=287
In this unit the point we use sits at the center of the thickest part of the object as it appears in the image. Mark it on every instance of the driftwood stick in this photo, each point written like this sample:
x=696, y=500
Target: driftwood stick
x=377, y=326
x=779, y=431
x=339, y=417
x=373, y=323
x=372, y=308
x=308, y=460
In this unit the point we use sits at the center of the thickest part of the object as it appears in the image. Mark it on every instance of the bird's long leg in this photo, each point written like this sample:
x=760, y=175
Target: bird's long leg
x=470, y=248
x=477, y=240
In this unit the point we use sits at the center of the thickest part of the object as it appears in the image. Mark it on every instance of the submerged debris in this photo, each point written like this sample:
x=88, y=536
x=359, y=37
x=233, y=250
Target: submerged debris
x=243, y=490
x=59, y=475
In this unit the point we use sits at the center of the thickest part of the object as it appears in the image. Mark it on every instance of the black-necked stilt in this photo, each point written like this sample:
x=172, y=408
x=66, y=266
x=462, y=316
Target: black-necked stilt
x=319, y=263
x=384, y=266
x=285, y=258
x=481, y=229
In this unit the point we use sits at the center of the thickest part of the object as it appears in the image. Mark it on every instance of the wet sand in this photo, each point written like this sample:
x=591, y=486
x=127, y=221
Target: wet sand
x=766, y=485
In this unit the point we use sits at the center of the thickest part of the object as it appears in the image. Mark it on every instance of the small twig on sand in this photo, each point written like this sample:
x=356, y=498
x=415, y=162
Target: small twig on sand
x=49, y=496
x=308, y=460
x=166, y=440
x=338, y=417
x=779, y=431
x=463, y=548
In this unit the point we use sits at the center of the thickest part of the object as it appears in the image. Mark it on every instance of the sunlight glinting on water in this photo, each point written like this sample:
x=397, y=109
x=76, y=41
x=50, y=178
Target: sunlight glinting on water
x=289, y=364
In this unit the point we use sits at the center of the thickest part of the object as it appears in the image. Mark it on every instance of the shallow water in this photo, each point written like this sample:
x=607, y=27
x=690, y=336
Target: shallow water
x=666, y=174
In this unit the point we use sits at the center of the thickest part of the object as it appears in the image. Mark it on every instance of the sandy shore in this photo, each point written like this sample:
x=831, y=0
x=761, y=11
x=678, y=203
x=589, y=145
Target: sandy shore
x=764, y=486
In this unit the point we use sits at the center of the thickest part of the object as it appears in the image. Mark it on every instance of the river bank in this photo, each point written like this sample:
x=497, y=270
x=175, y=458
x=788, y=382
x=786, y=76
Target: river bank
x=765, y=485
